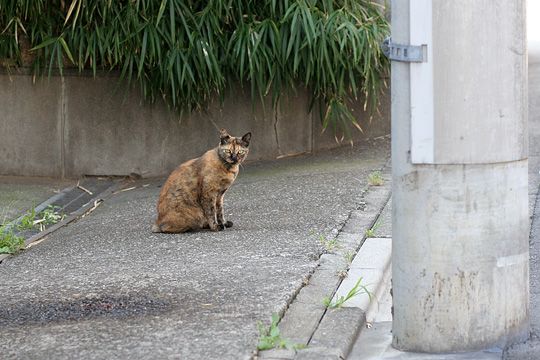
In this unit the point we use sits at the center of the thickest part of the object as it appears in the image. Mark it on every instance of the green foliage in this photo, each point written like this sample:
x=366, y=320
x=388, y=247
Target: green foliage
x=357, y=289
x=9, y=242
x=271, y=338
x=51, y=215
x=349, y=256
x=371, y=232
x=375, y=178
x=188, y=51
x=328, y=244
x=27, y=221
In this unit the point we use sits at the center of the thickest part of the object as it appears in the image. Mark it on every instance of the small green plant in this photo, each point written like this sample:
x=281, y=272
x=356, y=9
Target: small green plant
x=27, y=221
x=375, y=178
x=51, y=215
x=349, y=256
x=371, y=232
x=328, y=244
x=9, y=242
x=271, y=338
x=357, y=289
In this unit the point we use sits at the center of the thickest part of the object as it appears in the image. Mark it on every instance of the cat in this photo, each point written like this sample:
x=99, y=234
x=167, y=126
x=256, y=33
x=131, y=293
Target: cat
x=192, y=197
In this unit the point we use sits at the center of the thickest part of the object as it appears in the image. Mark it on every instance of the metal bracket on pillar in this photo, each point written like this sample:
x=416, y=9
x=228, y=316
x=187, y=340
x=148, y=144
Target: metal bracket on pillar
x=405, y=53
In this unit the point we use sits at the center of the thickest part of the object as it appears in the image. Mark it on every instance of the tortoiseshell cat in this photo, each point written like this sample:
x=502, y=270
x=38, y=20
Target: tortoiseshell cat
x=192, y=196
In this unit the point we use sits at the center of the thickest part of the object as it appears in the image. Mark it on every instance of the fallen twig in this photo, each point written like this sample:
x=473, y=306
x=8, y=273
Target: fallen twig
x=84, y=189
x=126, y=189
x=96, y=204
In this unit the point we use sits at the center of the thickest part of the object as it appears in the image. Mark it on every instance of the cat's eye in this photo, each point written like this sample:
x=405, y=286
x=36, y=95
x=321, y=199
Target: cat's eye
x=227, y=151
x=241, y=152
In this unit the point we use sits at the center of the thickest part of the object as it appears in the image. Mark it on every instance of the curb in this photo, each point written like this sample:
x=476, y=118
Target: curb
x=339, y=328
x=82, y=209
x=372, y=265
x=325, y=333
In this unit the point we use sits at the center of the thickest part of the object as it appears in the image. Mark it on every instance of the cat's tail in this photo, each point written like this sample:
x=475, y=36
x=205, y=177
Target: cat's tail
x=156, y=228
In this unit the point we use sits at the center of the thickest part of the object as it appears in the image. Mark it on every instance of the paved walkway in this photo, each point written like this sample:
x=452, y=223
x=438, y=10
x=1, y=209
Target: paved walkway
x=106, y=287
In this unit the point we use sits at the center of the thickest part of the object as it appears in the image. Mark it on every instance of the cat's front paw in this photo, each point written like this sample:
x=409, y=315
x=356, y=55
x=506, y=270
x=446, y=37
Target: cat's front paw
x=221, y=227
x=228, y=224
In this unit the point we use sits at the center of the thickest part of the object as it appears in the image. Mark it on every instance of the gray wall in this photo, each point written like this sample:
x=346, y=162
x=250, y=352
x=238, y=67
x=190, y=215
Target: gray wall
x=79, y=125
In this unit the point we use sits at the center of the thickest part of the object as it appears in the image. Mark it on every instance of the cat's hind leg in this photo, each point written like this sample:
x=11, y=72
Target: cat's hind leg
x=170, y=228
x=191, y=218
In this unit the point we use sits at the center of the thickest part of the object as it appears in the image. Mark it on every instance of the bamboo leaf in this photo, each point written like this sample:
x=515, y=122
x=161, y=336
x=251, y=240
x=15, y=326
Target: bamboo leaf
x=161, y=11
x=143, y=52
x=194, y=52
x=70, y=10
x=66, y=49
x=44, y=44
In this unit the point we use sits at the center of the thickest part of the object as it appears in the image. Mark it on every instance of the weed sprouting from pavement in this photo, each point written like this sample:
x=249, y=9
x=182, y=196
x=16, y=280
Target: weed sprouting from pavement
x=371, y=232
x=357, y=289
x=328, y=244
x=10, y=243
x=10, y=239
x=375, y=178
x=27, y=221
x=51, y=215
x=349, y=256
x=271, y=338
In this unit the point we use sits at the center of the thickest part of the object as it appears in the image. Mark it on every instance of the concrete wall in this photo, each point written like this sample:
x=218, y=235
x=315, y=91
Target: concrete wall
x=80, y=125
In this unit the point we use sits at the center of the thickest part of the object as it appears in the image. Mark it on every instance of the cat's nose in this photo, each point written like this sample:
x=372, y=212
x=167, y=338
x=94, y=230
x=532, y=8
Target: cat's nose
x=234, y=157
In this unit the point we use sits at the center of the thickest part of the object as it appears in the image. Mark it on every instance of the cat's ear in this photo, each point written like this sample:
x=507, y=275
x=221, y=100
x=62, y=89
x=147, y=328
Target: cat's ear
x=246, y=138
x=224, y=136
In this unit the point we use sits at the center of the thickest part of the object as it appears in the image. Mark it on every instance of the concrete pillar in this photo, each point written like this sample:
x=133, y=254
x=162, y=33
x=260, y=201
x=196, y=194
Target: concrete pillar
x=459, y=159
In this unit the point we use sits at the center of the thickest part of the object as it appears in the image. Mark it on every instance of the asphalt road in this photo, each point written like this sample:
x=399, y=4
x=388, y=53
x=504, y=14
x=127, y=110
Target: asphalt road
x=106, y=287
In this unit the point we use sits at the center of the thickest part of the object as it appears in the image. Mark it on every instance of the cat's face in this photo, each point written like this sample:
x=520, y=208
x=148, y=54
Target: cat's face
x=233, y=150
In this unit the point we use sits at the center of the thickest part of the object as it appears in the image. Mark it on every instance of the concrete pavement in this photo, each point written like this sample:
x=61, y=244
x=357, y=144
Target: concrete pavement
x=106, y=287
